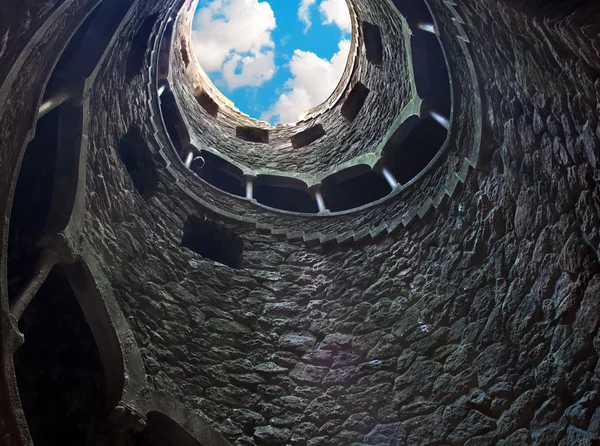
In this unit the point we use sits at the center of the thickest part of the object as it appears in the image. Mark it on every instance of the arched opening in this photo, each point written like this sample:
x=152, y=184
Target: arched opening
x=174, y=122
x=32, y=200
x=59, y=371
x=97, y=37
x=220, y=173
x=139, y=45
x=414, y=11
x=354, y=187
x=165, y=53
x=430, y=71
x=283, y=193
x=74, y=44
x=410, y=155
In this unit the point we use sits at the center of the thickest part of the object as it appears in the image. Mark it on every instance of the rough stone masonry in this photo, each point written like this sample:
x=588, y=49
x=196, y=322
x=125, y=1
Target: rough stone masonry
x=144, y=305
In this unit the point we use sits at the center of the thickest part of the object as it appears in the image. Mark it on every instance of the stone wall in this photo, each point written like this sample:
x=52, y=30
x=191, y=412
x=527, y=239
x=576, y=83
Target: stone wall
x=477, y=323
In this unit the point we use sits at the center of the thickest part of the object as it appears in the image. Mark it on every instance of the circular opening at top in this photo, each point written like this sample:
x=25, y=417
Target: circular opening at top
x=274, y=60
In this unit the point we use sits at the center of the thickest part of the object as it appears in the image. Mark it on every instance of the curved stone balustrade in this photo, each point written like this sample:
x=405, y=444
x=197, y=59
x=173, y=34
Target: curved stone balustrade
x=431, y=103
x=438, y=178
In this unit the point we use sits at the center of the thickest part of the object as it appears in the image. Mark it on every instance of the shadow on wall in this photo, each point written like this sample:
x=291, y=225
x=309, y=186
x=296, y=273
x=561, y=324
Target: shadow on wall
x=59, y=371
x=33, y=195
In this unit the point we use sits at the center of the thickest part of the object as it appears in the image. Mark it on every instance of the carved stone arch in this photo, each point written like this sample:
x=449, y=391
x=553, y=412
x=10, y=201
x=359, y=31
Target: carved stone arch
x=175, y=423
x=103, y=329
x=62, y=375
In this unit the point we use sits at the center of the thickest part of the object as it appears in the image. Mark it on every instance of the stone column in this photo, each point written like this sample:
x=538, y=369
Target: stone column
x=189, y=159
x=389, y=177
x=440, y=119
x=428, y=27
x=316, y=190
x=249, y=184
x=54, y=101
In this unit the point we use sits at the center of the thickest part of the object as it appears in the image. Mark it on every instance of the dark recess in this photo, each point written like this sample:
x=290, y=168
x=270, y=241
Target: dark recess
x=74, y=44
x=59, y=372
x=137, y=158
x=283, y=197
x=373, y=43
x=220, y=173
x=139, y=45
x=414, y=11
x=96, y=39
x=355, y=101
x=413, y=154
x=148, y=438
x=208, y=104
x=252, y=134
x=354, y=192
x=213, y=241
x=33, y=195
x=185, y=55
x=173, y=121
x=165, y=52
x=307, y=136
x=431, y=73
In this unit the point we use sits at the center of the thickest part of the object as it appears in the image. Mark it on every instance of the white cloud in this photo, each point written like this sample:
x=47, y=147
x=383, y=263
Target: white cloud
x=313, y=80
x=251, y=71
x=332, y=12
x=336, y=12
x=304, y=13
x=235, y=36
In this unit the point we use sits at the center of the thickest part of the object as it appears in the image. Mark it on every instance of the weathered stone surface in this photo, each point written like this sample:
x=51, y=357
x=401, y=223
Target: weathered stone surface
x=270, y=435
x=297, y=341
x=232, y=396
x=270, y=368
x=474, y=425
x=387, y=435
x=225, y=326
x=308, y=374
x=324, y=408
x=588, y=315
x=476, y=324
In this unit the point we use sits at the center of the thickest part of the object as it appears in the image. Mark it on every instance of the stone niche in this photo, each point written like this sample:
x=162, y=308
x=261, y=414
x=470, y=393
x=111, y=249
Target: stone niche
x=213, y=241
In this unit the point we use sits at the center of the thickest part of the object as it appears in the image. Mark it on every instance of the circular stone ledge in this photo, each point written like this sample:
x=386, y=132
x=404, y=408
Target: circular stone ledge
x=426, y=191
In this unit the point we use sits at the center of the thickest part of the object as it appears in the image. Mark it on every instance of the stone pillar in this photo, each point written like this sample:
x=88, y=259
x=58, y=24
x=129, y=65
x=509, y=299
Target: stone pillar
x=54, y=101
x=389, y=177
x=428, y=27
x=189, y=159
x=249, y=184
x=316, y=190
x=440, y=119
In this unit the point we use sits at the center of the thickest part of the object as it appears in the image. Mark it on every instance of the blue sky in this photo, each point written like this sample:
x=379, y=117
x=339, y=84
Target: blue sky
x=273, y=58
